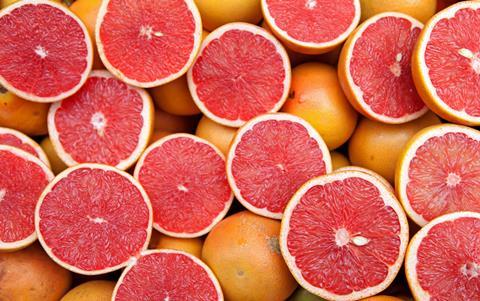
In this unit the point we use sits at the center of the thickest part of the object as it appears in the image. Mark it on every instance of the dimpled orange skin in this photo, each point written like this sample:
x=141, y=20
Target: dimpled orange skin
x=316, y=96
x=87, y=11
x=216, y=13
x=219, y=135
x=382, y=298
x=243, y=252
x=55, y=162
x=421, y=10
x=22, y=115
x=377, y=146
x=191, y=246
x=339, y=160
x=97, y=290
x=30, y=275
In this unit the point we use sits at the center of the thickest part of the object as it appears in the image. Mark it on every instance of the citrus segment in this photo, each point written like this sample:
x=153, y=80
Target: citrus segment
x=185, y=179
x=22, y=181
x=270, y=158
x=438, y=172
x=23, y=142
x=443, y=259
x=242, y=71
x=148, y=43
x=312, y=26
x=374, y=68
x=446, y=63
x=167, y=275
x=38, y=61
x=344, y=236
x=105, y=122
x=92, y=219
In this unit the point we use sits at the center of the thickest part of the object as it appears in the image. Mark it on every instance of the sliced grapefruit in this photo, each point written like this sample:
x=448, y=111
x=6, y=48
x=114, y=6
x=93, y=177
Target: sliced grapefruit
x=241, y=72
x=167, y=275
x=93, y=218
x=22, y=180
x=439, y=171
x=312, y=26
x=446, y=63
x=374, y=69
x=270, y=158
x=185, y=178
x=443, y=259
x=344, y=236
x=367, y=171
x=147, y=43
x=46, y=53
x=19, y=140
x=106, y=121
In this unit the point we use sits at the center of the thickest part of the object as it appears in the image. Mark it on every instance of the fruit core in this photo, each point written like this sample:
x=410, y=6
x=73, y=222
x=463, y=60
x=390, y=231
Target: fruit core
x=473, y=57
x=395, y=68
x=3, y=192
x=311, y=4
x=182, y=187
x=343, y=238
x=470, y=270
x=148, y=32
x=99, y=122
x=96, y=220
x=453, y=179
x=41, y=51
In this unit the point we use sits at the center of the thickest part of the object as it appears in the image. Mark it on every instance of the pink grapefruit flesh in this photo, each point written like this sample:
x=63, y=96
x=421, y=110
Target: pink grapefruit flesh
x=22, y=181
x=148, y=43
x=440, y=172
x=106, y=121
x=167, y=275
x=19, y=140
x=270, y=158
x=241, y=72
x=376, y=62
x=344, y=236
x=443, y=259
x=92, y=219
x=185, y=178
x=46, y=52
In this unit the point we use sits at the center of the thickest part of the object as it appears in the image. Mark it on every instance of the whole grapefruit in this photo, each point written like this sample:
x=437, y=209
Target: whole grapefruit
x=221, y=136
x=164, y=121
x=339, y=160
x=98, y=290
x=421, y=10
x=217, y=13
x=56, y=163
x=189, y=245
x=244, y=254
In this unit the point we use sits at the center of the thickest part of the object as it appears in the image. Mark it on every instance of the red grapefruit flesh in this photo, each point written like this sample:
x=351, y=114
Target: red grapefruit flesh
x=106, y=121
x=443, y=259
x=92, y=219
x=375, y=71
x=312, y=26
x=22, y=180
x=167, y=275
x=344, y=236
x=19, y=140
x=148, y=43
x=270, y=158
x=185, y=178
x=242, y=71
x=439, y=172
x=46, y=52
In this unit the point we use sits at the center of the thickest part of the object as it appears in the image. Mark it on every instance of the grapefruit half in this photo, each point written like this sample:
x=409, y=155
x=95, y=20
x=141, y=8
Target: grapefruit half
x=93, y=218
x=312, y=26
x=106, y=121
x=167, y=275
x=22, y=180
x=19, y=140
x=367, y=171
x=185, y=178
x=446, y=63
x=439, y=171
x=443, y=259
x=241, y=72
x=344, y=236
x=147, y=43
x=46, y=52
x=270, y=158
x=374, y=68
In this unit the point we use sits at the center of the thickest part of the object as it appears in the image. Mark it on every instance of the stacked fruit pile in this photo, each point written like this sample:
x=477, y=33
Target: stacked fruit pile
x=239, y=150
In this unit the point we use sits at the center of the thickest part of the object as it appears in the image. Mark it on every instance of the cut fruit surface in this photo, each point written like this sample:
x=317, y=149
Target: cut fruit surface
x=344, y=236
x=312, y=26
x=446, y=63
x=22, y=181
x=374, y=69
x=185, y=178
x=167, y=275
x=106, y=121
x=241, y=72
x=19, y=140
x=270, y=158
x=367, y=171
x=439, y=171
x=148, y=43
x=38, y=61
x=443, y=259
x=92, y=219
